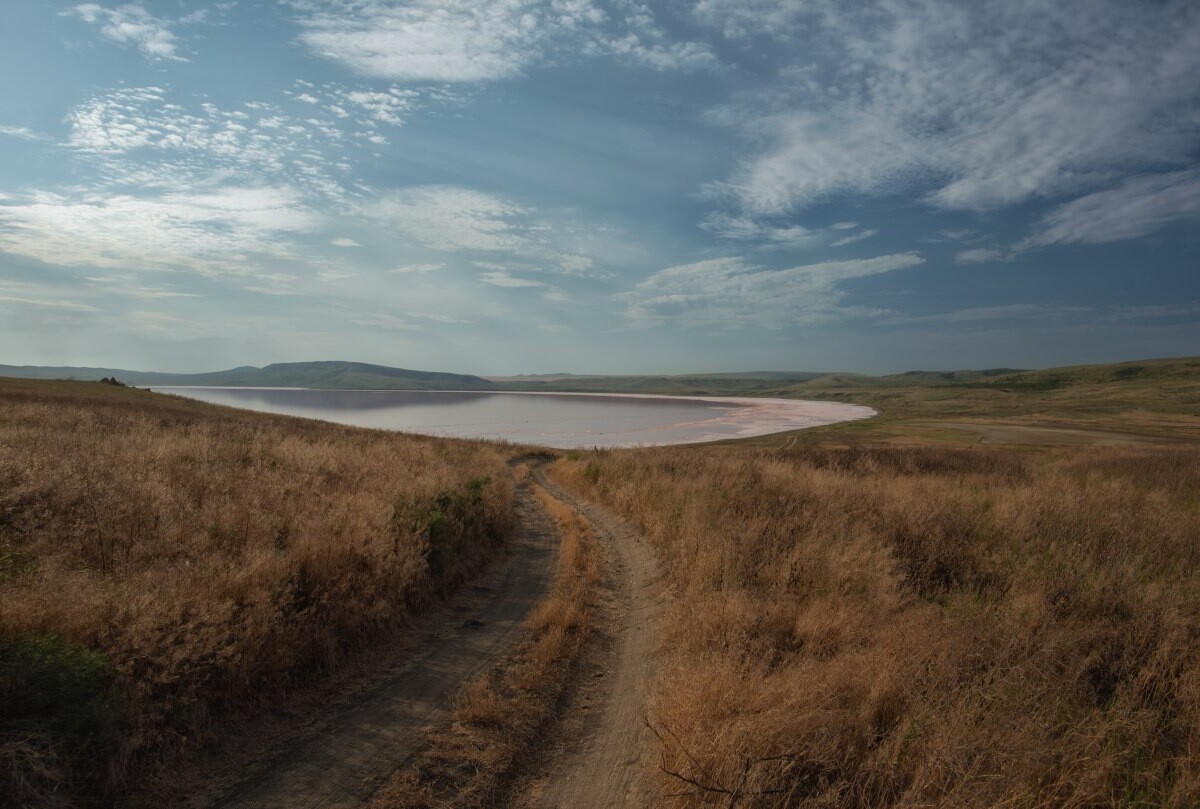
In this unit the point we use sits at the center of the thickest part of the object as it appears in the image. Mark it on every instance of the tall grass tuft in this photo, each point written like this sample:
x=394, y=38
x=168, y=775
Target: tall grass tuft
x=922, y=627
x=165, y=565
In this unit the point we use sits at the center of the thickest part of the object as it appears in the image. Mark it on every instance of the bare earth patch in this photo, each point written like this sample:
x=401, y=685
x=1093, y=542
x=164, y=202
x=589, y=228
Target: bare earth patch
x=600, y=756
x=341, y=757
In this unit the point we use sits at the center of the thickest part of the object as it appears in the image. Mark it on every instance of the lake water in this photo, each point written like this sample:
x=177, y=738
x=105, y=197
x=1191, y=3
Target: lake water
x=560, y=420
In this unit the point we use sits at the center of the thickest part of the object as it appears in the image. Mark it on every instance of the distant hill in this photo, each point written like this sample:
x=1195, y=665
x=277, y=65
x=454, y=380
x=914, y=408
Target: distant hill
x=338, y=375
x=743, y=383
x=335, y=375
x=1176, y=369
x=935, y=377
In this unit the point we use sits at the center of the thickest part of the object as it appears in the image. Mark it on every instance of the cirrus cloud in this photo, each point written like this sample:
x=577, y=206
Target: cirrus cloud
x=212, y=232
x=485, y=40
x=973, y=107
x=732, y=293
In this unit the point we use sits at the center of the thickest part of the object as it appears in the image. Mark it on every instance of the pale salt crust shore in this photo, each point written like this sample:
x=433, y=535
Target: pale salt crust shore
x=746, y=418
x=750, y=417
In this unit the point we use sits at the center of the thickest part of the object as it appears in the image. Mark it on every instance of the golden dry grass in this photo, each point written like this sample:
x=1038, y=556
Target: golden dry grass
x=887, y=627
x=501, y=718
x=211, y=558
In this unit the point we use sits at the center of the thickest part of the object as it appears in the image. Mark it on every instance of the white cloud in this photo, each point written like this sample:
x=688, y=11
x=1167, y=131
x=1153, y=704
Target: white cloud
x=980, y=314
x=257, y=143
x=450, y=218
x=383, y=107
x=437, y=318
x=504, y=279
x=574, y=264
x=660, y=56
x=132, y=25
x=977, y=106
x=851, y=239
x=458, y=40
x=52, y=304
x=956, y=235
x=747, y=229
x=742, y=18
x=981, y=255
x=342, y=241
x=728, y=292
x=761, y=233
x=218, y=231
x=484, y=40
x=1135, y=208
x=21, y=132
x=405, y=269
x=643, y=41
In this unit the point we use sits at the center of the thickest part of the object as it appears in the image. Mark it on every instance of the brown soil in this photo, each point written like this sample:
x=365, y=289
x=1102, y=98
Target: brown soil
x=336, y=748
x=339, y=755
x=598, y=759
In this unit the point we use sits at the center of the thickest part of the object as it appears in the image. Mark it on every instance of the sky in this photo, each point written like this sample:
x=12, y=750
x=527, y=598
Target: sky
x=599, y=186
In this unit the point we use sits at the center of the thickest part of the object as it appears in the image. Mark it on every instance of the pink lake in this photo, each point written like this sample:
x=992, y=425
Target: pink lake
x=559, y=420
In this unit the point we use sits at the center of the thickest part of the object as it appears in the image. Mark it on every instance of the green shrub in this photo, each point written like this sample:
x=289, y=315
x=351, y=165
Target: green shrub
x=452, y=518
x=59, y=715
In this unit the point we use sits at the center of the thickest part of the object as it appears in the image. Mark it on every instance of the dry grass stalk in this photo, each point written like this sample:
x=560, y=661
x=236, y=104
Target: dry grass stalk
x=500, y=717
x=212, y=556
x=936, y=627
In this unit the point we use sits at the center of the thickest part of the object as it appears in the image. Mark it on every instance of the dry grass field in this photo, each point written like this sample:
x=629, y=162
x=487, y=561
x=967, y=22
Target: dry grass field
x=501, y=718
x=921, y=626
x=165, y=564
x=1137, y=402
x=989, y=596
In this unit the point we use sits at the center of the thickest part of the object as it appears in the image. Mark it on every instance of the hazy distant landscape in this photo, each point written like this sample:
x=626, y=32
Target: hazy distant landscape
x=600, y=404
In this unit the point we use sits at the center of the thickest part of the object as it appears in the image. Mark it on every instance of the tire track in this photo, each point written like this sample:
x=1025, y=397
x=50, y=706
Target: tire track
x=601, y=765
x=341, y=761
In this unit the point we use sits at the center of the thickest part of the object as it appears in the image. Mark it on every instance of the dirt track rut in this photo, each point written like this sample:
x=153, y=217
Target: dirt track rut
x=342, y=761
x=600, y=764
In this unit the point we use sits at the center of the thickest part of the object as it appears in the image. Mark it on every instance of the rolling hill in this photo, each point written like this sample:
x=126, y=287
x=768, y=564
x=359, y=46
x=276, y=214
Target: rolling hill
x=335, y=375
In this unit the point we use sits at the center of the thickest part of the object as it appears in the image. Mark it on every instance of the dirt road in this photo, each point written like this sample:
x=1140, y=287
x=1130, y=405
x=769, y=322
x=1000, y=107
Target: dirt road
x=334, y=753
x=598, y=761
x=342, y=758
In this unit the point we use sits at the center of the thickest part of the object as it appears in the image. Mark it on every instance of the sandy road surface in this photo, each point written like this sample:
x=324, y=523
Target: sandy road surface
x=342, y=758
x=598, y=762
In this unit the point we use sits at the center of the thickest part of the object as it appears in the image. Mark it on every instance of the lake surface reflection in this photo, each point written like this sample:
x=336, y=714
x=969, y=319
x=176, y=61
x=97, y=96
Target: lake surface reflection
x=562, y=421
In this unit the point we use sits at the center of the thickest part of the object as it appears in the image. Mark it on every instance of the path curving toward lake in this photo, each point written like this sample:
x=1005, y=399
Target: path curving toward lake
x=345, y=751
x=599, y=762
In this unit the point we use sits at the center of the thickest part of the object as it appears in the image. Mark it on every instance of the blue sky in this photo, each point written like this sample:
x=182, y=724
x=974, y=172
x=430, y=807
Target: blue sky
x=599, y=185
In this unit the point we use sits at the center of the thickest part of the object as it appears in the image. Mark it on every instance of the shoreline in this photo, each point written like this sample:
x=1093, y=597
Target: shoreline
x=741, y=416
